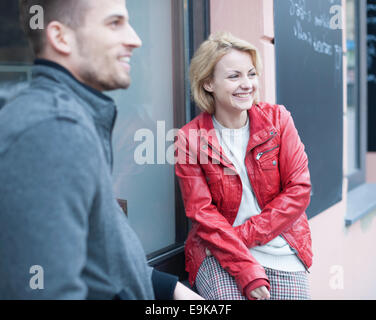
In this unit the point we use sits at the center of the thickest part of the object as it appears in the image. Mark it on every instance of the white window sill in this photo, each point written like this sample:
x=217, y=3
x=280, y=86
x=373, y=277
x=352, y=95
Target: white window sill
x=360, y=202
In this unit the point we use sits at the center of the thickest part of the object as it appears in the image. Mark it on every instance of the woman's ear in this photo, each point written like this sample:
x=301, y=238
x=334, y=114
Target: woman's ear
x=208, y=86
x=59, y=37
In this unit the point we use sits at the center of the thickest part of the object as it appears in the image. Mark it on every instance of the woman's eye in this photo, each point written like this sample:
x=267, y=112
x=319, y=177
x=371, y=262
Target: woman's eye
x=253, y=74
x=233, y=76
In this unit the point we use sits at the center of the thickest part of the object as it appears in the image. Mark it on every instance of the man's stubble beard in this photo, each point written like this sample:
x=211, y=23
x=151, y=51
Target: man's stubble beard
x=93, y=77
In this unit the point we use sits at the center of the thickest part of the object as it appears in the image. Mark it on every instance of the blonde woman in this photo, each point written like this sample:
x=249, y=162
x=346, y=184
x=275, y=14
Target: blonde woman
x=245, y=183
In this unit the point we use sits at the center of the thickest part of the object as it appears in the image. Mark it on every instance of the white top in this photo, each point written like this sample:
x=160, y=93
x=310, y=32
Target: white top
x=276, y=254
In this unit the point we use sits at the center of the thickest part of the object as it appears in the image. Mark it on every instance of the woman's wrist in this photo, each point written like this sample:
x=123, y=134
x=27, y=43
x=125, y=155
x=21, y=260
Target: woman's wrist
x=254, y=285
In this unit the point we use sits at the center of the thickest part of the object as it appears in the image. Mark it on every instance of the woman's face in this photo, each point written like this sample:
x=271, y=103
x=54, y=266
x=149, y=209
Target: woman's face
x=235, y=82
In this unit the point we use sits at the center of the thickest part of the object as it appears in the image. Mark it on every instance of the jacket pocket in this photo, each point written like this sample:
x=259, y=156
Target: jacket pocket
x=269, y=165
x=267, y=154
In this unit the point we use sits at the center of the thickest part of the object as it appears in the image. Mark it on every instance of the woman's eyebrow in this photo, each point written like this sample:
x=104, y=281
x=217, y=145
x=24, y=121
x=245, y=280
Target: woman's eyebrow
x=238, y=72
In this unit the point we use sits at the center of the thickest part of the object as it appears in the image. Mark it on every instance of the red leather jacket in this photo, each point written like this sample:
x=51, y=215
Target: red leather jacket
x=277, y=167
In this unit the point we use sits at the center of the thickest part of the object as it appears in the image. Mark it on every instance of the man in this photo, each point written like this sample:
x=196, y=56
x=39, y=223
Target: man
x=62, y=233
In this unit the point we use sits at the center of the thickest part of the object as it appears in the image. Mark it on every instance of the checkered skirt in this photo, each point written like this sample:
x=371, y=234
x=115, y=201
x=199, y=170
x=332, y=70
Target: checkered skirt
x=214, y=283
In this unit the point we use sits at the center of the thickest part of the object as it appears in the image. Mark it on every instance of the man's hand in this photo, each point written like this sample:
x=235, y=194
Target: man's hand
x=260, y=293
x=183, y=293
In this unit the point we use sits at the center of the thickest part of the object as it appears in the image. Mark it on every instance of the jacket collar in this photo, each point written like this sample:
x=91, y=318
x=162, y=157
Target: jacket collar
x=100, y=106
x=261, y=130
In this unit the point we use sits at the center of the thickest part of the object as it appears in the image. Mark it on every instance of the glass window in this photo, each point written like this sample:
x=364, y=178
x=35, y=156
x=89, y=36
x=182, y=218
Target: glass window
x=142, y=175
x=356, y=35
x=15, y=54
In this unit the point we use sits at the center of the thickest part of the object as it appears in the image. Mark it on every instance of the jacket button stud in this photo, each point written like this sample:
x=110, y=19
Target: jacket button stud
x=64, y=97
x=274, y=162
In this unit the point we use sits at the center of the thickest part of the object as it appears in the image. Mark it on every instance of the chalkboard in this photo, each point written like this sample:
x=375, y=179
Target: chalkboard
x=308, y=44
x=371, y=62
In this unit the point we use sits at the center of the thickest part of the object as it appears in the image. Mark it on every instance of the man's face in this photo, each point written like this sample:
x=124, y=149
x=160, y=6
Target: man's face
x=101, y=54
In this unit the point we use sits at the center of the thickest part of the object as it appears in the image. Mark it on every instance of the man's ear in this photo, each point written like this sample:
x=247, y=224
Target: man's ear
x=59, y=37
x=208, y=86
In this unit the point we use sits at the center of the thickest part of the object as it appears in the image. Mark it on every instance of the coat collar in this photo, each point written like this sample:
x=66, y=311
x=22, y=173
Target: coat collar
x=99, y=105
x=261, y=129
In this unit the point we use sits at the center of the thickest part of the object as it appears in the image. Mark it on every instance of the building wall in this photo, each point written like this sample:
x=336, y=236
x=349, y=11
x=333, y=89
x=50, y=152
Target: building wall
x=252, y=21
x=344, y=259
x=371, y=167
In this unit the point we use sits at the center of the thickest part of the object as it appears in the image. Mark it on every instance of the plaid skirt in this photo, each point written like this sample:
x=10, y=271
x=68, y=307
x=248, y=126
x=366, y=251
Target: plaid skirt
x=214, y=283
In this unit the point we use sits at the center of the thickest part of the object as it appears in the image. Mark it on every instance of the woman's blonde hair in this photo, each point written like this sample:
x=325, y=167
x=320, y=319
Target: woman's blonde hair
x=205, y=59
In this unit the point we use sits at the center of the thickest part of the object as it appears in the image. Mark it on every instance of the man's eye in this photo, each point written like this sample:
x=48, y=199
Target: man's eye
x=115, y=23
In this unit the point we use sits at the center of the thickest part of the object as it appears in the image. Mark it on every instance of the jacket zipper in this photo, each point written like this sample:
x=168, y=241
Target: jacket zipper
x=295, y=252
x=263, y=142
x=111, y=147
x=262, y=153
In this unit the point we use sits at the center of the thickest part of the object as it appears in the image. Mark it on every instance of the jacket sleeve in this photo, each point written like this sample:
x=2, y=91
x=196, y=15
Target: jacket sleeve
x=211, y=226
x=164, y=285
x=281, y=213
x=48, y=183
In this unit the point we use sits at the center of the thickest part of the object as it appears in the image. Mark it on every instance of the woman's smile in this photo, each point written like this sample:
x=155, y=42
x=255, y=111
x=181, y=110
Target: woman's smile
x=243, y=95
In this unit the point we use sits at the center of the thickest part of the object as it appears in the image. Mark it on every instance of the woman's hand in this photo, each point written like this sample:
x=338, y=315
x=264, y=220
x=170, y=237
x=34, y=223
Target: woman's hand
x=260, y=293
x=184, y=293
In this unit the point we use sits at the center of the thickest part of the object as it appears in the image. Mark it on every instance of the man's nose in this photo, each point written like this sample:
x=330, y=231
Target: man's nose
x=131, y=38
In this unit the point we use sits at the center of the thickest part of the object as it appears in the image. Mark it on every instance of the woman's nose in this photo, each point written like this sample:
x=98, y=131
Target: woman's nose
x=246, y=83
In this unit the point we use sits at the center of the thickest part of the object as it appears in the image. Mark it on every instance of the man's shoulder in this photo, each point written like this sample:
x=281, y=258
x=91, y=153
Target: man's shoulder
x=42, y=100
x=34, y=106
x=10, y=90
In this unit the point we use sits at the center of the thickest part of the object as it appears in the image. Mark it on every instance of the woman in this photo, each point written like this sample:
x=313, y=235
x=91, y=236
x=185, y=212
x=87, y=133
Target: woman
x=245, y=182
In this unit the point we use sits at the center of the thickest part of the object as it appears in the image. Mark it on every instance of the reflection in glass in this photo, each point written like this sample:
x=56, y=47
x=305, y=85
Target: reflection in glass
x=148, y=188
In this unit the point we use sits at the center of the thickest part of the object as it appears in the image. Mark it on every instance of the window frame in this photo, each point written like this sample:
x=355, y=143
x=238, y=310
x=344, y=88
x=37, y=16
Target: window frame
x=359, y=176
x=191, y=26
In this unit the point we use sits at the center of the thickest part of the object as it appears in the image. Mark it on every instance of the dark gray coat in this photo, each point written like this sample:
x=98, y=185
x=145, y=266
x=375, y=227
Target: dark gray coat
x=57, y=208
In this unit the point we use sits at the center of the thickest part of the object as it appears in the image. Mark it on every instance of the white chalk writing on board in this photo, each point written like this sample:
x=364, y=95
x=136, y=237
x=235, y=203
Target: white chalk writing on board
x=298, y=8
x=319, y=46
x=305, y=19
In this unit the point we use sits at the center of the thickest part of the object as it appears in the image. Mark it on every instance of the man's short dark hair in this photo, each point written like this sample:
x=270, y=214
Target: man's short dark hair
x=69, y=12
